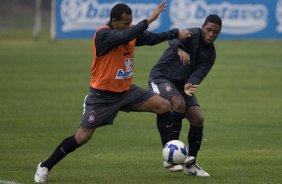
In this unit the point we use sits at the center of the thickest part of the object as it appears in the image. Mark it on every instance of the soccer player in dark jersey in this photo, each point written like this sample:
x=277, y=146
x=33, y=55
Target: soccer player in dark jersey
x=175, y=77
x=111, y=88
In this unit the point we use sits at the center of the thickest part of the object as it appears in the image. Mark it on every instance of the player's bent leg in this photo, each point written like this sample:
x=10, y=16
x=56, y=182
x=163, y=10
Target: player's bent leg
x=164, y=126
x=171, y=133
x=155, y=104
x=195, y=134
x=178, y=106
x=195, y=116
x=161, y=107
x=176, y=119
x=67, y=146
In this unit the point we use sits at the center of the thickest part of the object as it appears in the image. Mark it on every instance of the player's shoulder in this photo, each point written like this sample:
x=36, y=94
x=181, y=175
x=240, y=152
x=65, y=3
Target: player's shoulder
x=102, y=32
x=104, y=28
x=196, y=33
x=195, y=30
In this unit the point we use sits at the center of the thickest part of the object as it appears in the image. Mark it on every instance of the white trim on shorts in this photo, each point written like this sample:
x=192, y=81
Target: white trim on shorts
x=84, y=104
x=155, y=88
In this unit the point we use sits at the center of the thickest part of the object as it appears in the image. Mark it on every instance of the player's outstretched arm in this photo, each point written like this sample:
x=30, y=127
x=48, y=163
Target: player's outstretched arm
x=157, y=12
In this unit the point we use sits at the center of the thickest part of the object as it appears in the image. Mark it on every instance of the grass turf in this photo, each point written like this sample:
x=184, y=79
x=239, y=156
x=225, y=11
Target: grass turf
x=43, y=85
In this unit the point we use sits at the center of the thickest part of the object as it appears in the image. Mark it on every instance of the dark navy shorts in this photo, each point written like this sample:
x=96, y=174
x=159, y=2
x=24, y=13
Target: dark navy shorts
x=101, y=107
x=168, y=89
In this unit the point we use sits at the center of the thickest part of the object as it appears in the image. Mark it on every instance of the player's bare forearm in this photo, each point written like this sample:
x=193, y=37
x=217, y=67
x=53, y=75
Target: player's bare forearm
x=157, y=12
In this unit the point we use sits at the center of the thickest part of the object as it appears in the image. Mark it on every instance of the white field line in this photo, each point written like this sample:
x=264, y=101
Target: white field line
x=8, y=182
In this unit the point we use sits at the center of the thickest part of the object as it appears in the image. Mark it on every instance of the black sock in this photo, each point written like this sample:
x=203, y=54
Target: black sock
x=195, y=136
x=165, y=127
x=176, y=119
x=67, y=146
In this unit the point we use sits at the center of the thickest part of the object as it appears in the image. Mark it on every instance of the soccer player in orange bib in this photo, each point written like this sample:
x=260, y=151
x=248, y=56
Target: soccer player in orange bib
x=111, y=88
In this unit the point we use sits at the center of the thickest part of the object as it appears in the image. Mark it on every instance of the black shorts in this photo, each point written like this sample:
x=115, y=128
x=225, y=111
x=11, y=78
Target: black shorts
x=167, y=90
x=101, y=107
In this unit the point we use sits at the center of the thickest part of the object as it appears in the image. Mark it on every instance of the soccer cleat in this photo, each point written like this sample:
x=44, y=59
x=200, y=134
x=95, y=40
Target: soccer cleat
x=176, y=168
x=172, y=167
x=41, y=174
x=194, y=170
x=189, y=160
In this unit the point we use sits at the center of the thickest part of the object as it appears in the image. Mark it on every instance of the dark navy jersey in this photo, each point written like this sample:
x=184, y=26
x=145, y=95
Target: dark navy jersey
x=170, y=67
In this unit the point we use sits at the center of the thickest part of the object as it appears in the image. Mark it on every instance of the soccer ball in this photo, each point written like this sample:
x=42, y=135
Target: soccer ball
x=175, y=152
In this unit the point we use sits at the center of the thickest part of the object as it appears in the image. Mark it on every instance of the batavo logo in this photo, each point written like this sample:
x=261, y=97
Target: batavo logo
x=128, y=72
x=237, y=19
x=90, y=14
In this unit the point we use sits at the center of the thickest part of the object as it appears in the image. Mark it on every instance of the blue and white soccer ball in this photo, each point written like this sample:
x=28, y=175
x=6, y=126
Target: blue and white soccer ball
x=175, y=152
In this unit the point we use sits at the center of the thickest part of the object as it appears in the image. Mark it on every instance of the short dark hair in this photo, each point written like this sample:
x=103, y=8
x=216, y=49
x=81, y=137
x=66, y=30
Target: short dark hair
x=120, y=9
x=213, y=18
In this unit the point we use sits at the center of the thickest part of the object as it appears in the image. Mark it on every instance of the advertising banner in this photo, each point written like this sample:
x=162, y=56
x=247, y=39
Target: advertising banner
x=254, y=19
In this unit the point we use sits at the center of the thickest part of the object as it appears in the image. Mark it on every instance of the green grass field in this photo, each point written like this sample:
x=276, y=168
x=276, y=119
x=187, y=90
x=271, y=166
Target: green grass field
x=43, y=85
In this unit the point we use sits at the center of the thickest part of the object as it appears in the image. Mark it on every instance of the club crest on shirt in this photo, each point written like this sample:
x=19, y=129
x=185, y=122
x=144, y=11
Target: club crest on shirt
x=128, y=72
x=91, y=117
x=167, y=87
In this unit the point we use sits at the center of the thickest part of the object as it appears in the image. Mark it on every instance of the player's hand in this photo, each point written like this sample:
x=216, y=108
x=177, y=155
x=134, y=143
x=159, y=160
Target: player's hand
x=157, y=12
x=183, y=34
x=189, y=88
x=183, y=56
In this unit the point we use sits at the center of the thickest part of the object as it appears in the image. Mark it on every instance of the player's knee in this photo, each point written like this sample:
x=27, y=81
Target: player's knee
x=178, y=104
x=83, y=137
x=198, y=121
x=163, y=107
x=179, y=107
